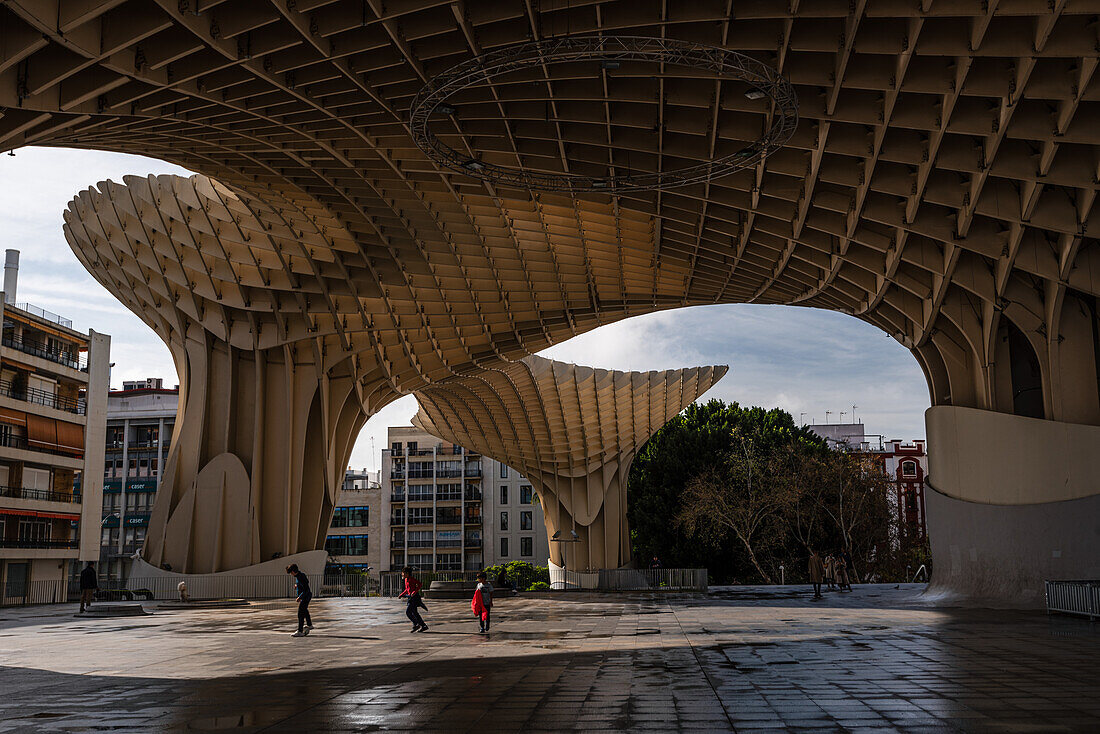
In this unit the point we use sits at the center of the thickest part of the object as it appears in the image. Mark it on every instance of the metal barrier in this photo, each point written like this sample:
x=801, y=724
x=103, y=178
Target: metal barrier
x=19, y=593
x=653, y=579
x=1074, y=597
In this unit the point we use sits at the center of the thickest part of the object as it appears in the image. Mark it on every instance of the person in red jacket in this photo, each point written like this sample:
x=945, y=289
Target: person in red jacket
x=415, y=603
x=482, y=603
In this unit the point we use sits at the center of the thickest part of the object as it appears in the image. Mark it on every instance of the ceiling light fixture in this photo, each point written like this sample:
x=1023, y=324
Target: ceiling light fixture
x=610, y=51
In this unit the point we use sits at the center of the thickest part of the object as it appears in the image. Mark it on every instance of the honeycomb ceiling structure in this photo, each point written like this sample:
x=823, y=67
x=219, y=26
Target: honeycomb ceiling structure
x=939, y=185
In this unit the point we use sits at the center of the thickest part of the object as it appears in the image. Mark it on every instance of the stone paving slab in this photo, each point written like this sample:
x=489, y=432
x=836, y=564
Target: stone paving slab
x=745, y=659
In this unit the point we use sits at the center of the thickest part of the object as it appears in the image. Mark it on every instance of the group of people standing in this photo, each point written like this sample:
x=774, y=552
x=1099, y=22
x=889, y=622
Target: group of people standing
x=833, y=571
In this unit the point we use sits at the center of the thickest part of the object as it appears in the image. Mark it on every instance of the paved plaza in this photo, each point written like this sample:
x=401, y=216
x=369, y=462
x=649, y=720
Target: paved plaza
x=878, y=659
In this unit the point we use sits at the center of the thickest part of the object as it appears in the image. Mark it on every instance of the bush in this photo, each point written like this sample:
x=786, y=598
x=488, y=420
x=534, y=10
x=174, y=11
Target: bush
x=521, y=573
x=539, y=586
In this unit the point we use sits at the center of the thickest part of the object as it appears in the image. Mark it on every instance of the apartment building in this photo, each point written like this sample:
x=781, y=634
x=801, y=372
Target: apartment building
x=354, y=540
x=53, y=409
x=447, y=508
x=140, y=421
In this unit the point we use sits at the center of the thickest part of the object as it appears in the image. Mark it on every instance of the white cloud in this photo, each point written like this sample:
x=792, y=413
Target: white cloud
x=802, y=360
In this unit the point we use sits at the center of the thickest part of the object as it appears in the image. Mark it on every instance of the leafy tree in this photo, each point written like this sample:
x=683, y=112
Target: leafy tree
x=698, y=441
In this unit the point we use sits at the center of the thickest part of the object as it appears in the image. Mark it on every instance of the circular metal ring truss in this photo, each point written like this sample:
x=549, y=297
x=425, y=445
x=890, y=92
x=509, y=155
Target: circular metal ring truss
x=762, y=79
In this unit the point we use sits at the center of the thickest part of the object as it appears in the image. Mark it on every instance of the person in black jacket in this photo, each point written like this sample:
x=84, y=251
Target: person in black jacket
x=305, y=624
x=88, y=584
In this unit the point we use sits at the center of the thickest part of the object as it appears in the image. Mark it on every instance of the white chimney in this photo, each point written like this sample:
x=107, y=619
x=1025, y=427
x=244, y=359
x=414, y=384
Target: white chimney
x=11, y=275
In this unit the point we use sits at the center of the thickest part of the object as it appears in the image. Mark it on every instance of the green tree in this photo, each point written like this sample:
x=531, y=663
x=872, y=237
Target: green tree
x=701, y=440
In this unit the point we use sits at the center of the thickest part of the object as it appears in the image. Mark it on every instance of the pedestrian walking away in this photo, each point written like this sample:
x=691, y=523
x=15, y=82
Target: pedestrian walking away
x=88, y=585
x=843, y=564
x=305, y=595
x=830, y=572
x=817, y=572
x=482, y=602
x=413, y=601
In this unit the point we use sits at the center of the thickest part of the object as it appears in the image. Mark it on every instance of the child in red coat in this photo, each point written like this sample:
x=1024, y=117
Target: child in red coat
x=482, y=603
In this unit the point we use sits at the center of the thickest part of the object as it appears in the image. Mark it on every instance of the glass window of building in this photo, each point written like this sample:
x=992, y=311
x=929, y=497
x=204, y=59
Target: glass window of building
x=420, y=516
x=504, y=521
x=351, y=517
x=525, y=520
x=503, y=547
x=420, y=492
x=525, y=494
x=503, y=494
x=503, y=471
x=526, y=546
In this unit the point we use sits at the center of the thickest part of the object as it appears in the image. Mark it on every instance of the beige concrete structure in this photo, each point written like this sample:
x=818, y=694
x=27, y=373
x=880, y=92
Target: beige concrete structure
x=571, y=430
x=53, y=415
x=940, y=185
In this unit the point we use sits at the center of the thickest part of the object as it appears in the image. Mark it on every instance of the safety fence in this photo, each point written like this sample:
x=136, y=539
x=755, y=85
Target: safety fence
x=391, y=583
x=653, y=579
x=18, y=593
x=1074, y=597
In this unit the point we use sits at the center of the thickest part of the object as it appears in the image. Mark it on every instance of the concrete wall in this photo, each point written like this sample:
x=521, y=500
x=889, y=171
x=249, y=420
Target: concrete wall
x=1011, y=502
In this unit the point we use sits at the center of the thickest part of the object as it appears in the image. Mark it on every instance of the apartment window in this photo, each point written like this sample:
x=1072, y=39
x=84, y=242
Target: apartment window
x=420, y=539
x=526, y=546
x=420, y=516
x=133, y=468
x=143, y=467
x=909, y=468
x=412, y=447
x=503, y=471
x=351, y=517
x=525, y=494
x=448, y=562
x=503, y=495
x=504, y=521
x=525, y=520
x=420, y=492
x=34, y=530
x=503, y=547
x=154, y=464
x=105, y=536
x=395, y=447
x=448, y=492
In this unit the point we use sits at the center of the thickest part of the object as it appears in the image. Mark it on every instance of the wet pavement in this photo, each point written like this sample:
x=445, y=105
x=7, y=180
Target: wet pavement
x=878, y=659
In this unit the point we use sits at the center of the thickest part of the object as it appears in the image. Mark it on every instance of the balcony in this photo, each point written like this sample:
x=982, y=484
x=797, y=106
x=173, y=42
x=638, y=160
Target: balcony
x=473, y=520
x=419, y=521
x=448, y=473
x=473, y=473
x=12, y=441
x=397, y=497
x=23, y=493
x=473, y=542
x=395, y=474
x=47, y=544
x=420, y=543
x=71, y=359
x=397, y=519
x=41, y=397
x=397, y=543
x=421, y=474
x=473, y=495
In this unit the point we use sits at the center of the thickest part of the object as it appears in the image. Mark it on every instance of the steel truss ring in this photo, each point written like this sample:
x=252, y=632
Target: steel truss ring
x=483, y=69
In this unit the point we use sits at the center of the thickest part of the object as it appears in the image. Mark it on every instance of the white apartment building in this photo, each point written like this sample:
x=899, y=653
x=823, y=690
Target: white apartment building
x=446, y=508
x=53, y=411
x=140, y=421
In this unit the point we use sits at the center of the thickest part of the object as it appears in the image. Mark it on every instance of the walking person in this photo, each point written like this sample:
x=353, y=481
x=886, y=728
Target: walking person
x=482, y=602
x=414, y=602
x=817, y=572
x=305, y=595
x=89, y=582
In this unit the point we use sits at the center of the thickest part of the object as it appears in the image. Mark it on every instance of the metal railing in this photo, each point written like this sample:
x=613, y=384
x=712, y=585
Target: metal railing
x=391, y=583
x=74, y=360
x=40, y=544
x=653, y=579
x=39, y=494
x=41, y=397
x=45, y=315
x=18, y=593
x=13, y=441
x=1074, y=597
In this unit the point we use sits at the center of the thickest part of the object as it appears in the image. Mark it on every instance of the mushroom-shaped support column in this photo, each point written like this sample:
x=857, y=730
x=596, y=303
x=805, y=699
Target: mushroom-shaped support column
x=270, y=403
x=573, y=431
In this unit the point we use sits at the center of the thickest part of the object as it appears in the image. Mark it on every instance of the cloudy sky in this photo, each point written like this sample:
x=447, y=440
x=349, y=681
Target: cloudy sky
x=802, y=360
